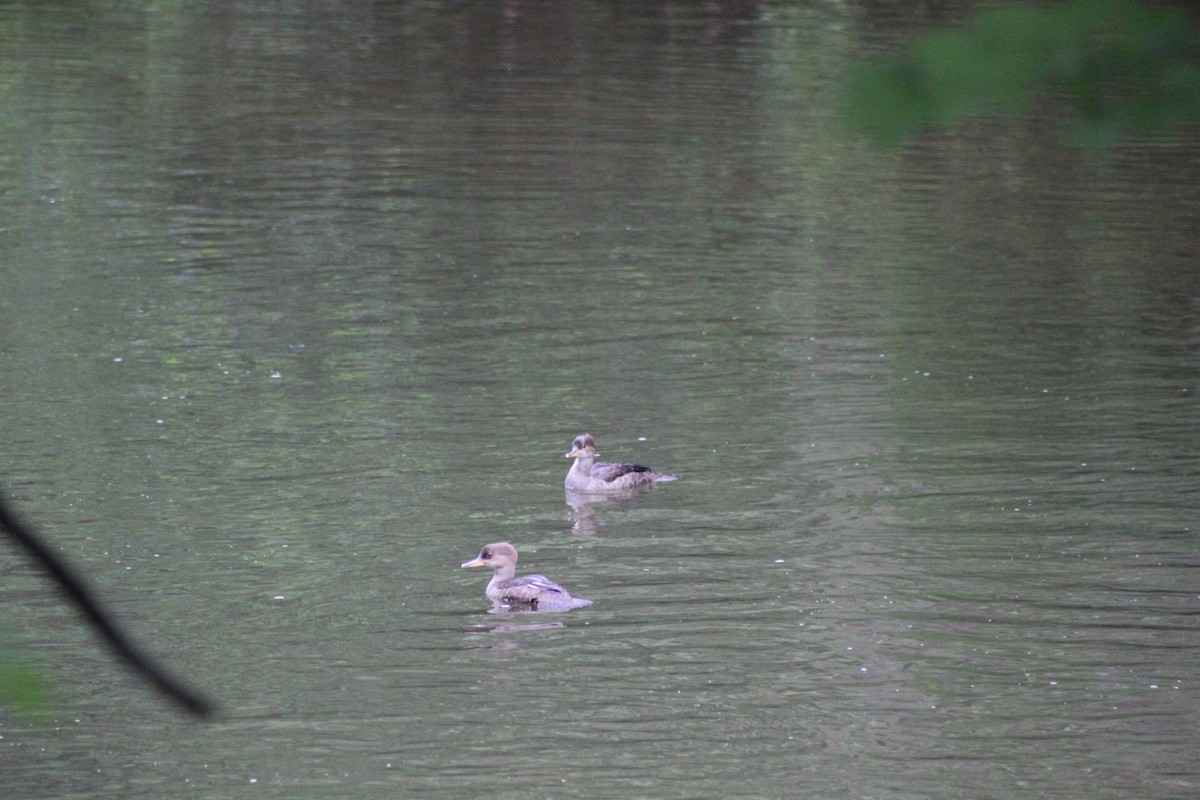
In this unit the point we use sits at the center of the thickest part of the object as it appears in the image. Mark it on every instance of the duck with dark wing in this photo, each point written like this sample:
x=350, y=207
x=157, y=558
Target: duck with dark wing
x=589, y=475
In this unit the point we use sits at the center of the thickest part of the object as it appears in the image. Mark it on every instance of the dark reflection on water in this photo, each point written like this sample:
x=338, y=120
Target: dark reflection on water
x=301, y=305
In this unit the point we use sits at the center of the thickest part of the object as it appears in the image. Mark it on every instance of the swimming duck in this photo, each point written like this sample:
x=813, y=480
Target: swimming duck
x=589, y=475
x=528, y=592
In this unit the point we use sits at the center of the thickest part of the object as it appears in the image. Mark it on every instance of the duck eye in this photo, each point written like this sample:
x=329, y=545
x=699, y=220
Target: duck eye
x=486, y=554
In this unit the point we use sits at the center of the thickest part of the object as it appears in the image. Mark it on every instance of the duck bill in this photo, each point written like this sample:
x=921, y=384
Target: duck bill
x=474, y=562
x=573, y=454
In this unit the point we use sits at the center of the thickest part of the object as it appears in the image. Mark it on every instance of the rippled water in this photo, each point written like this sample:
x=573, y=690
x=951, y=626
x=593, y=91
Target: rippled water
x=303, y=306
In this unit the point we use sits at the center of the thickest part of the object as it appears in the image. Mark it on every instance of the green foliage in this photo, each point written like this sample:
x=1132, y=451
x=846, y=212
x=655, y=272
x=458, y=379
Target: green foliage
x=23, y=687
x=1122, y=66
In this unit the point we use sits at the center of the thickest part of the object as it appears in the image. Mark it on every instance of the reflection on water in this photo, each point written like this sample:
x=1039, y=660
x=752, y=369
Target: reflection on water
x=586, y=507
x=508, y=627
x=298, y=301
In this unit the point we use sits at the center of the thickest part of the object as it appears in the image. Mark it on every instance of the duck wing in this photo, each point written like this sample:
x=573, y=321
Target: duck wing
x=528, y=589
x=610, y=472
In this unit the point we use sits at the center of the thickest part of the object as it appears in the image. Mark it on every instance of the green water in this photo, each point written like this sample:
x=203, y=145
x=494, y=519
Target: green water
x=303, y=305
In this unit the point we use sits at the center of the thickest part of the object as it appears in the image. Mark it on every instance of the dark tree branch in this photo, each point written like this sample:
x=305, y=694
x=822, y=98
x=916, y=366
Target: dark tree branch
x=74, y=587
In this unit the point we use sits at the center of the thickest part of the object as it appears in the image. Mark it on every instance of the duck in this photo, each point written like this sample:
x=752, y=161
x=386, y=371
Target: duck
x=589, y=475
x=526, y=593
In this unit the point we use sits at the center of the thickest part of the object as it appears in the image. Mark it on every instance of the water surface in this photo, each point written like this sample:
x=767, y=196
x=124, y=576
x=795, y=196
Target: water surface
x=302, y=306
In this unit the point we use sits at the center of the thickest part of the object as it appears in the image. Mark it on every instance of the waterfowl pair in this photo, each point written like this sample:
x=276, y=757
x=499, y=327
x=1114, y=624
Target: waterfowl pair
x=537, y=592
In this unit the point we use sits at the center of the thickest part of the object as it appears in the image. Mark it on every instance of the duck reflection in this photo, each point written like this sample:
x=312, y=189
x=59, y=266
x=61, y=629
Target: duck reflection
x=584, y=519
x=498, y=633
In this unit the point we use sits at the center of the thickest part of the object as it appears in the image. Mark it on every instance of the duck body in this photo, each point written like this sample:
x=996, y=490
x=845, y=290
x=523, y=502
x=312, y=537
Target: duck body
x=523, y=593
x=589, y=475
